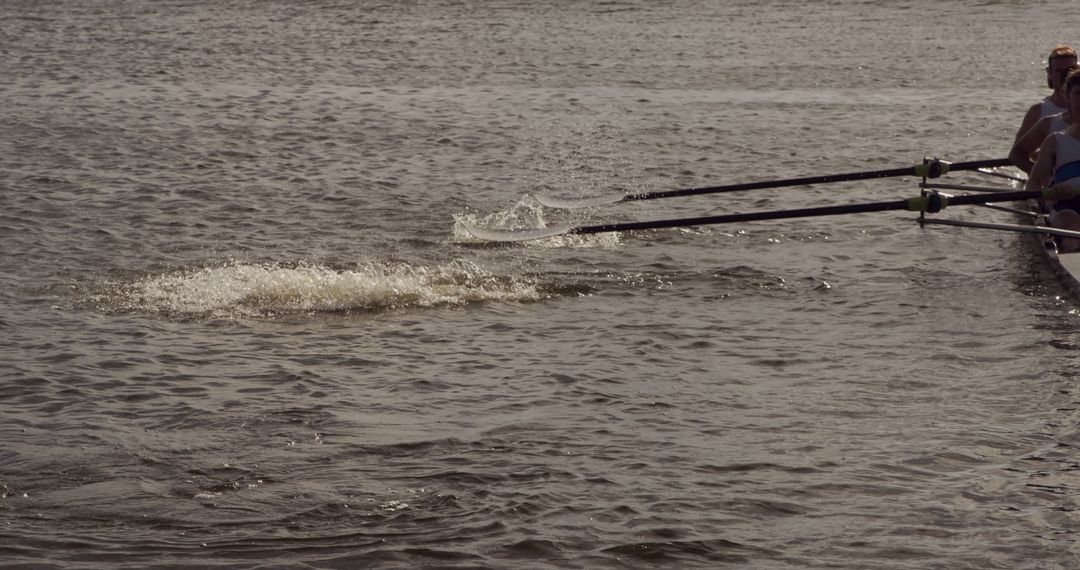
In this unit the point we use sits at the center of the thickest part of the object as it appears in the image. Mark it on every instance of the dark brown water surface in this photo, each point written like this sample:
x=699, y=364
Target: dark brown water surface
x=241, y=327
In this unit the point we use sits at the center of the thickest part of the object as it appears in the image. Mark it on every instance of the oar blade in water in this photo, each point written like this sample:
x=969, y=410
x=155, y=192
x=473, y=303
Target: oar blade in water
x=513, y=235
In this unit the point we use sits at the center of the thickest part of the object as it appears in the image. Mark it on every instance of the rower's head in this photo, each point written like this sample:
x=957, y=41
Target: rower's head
x=1061, y=58
x=1072, y=93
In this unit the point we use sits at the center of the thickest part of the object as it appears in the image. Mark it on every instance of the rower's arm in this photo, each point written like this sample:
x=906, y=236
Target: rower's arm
x=1030, y=118
x=1043, y=171
x=1027, y=145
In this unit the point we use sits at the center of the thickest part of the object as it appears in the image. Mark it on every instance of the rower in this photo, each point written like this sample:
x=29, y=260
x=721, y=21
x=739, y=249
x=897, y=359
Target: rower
x=1061, y=58
x=1022, y=154
x=1058, y=166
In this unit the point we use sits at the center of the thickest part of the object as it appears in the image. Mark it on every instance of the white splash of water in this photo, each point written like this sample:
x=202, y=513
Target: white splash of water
x=526, y=214
x=267, y=289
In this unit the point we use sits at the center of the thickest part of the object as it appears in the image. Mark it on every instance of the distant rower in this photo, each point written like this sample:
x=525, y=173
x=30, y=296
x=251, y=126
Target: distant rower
x=1061, y=59
x=1022, y=154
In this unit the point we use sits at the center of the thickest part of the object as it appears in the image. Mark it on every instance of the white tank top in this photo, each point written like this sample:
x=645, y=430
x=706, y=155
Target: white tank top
x=1067, y=158
x=1057, y=122
x=1048, y=108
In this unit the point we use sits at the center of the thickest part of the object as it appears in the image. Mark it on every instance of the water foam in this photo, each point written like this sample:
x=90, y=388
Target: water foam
x=270, y=289
x=526, y=215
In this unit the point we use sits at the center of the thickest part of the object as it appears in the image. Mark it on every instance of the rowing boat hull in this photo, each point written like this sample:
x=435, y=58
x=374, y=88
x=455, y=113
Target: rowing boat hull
x=1070, y=264
x=1066, y=266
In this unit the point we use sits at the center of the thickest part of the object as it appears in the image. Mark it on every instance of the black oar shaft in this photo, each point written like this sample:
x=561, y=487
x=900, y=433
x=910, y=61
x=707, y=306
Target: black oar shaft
x=922, y=204
x=744, y=217
x=892, y=172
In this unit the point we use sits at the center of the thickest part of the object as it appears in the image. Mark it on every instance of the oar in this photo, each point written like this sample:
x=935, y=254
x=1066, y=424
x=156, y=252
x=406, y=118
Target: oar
x=930, y=203
x=927, y=169
x=963, y=187
x=1017, y=211
x=1045, y=230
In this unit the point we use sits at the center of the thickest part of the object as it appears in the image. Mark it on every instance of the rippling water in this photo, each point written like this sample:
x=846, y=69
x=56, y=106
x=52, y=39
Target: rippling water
x=243, y=326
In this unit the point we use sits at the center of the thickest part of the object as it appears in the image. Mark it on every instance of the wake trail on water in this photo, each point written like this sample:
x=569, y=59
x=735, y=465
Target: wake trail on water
x=266, y=290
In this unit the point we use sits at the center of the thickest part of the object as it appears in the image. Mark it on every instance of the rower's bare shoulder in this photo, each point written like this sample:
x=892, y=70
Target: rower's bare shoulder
x=1034, y=113
x=1032, y=116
